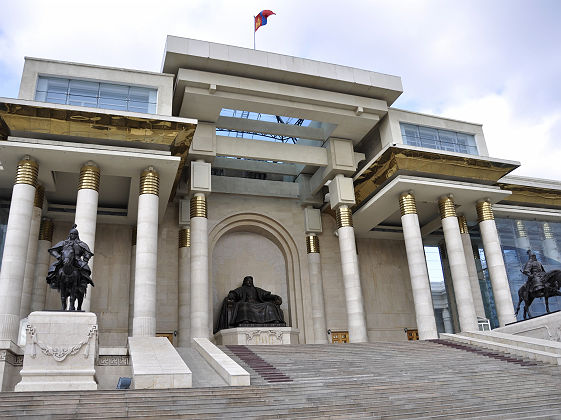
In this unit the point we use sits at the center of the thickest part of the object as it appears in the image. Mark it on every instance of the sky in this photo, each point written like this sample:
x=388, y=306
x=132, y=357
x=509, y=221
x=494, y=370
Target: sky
x=493, y=62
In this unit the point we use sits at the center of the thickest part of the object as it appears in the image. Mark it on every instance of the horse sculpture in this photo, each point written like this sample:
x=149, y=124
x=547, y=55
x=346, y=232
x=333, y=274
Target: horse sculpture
x=551, y=285
x=70, y=273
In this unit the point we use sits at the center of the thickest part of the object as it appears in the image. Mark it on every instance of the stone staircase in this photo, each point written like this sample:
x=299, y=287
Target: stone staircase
x=419, y=380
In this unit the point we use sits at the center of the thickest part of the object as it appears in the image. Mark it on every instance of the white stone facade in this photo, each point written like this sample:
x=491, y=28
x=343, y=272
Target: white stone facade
x=323, y=138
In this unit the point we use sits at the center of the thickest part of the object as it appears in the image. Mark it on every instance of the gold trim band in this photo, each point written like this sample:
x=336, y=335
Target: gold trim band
x=521, y=229
x=198, y=206
x=547, y=232
x=46, y=230
x=446, y=207
x=89, y=178
x=149, y=182
x=184, y=238
x=39, y=196
x=27, y=172
x=312, y=244
x=133, y=236
x=462, y=221
x=484, y=211
x=344, y=217
x=407, y=204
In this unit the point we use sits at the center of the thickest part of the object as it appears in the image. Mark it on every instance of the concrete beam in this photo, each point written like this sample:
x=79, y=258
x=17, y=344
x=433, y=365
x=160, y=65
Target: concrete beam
x=289, y=169
x=248, y=186
x=269, y=150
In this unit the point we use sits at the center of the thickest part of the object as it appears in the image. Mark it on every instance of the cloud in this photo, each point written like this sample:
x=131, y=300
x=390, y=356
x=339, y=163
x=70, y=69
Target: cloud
x=453, y=57
x=530, y=140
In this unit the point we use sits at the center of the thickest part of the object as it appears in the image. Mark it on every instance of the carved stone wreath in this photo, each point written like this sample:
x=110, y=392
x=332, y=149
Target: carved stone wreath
x=252, y=334
x=59, y=353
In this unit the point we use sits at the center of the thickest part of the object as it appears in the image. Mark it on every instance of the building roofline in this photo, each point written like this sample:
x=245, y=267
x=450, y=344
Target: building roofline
x=435, y=116
x=263, y=65
x=155, y=73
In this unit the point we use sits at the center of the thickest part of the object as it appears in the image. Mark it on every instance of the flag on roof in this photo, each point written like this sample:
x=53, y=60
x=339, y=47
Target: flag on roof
x=261, y=18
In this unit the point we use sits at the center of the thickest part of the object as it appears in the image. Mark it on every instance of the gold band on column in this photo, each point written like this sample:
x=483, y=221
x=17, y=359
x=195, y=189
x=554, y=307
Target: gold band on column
x=547, y=232
x=407, y=204
x=149, y=182
x=89, y=177
x=133, y=236
x=446, y=207
x=312, y=244
x=462, y=221
x=198, y=206
x=520, y=229
x=46, y=230
x=27, y=172
x=484, y=211
x=184, y=238
x=344, y=217
x=39, y=196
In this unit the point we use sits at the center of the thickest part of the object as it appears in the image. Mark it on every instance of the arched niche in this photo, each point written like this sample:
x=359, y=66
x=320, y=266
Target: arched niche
x=259, y=226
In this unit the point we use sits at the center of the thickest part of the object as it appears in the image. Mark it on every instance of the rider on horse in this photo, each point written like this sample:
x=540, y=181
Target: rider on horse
x=535, y=272
x=82, y=254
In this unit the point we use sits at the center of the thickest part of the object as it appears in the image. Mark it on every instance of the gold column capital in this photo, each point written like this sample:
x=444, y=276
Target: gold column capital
x=198, y=206
x=462, y=221
x=547, y=232
x=27, y=172
x=521, y=229
x=312, y=244
x=39, y=196
x=344, y=217
x=184, y=238
x=446, y=207
x=133, y=236
x=484, y=211
x=149, y=182
x=407, y=203
x=89, y=177
x=46, y=230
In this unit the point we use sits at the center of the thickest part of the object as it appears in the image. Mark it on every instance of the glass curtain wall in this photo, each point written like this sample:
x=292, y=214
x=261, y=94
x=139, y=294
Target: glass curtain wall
x=519, y=236
x=4, y=210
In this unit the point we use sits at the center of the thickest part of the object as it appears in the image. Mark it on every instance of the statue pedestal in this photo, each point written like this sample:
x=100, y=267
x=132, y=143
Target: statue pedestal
x=256, y=336
x=60, y=352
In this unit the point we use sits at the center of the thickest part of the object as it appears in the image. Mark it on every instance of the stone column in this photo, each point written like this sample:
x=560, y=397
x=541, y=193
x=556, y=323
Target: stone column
x=316, y=286
x=42, y=266
x=131, y=281
x=199, y=267
x=32, y=246
x=184, y=301
x=86, y=215
x=495, y=263
x=146, y=267
x=549, y=246
x=420, y=284
x=472, y=269
x=447, y=319
x=351, y=275
x=458, y=266
x=15, y=248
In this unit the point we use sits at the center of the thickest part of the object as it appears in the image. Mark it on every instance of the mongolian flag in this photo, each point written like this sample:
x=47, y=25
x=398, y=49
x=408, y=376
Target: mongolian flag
x=261, y=18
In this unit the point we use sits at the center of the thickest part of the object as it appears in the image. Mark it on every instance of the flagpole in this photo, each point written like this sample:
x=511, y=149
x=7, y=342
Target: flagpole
x=254, y=32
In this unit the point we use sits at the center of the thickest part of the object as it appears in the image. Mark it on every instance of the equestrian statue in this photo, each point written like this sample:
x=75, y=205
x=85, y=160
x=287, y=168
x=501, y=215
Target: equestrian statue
x=539, y=284
x=70, y=273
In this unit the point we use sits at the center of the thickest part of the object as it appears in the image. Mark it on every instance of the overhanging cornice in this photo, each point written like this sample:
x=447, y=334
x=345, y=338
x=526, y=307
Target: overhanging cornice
x=20, y=118
x=399, y=160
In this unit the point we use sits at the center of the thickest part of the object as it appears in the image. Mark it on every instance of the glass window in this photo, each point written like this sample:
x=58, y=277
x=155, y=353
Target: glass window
x=96, y=95
x=432, y=138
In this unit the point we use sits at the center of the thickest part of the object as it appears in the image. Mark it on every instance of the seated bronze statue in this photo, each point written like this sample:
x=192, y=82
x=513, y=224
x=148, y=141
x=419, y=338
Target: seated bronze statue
x=250, y=306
